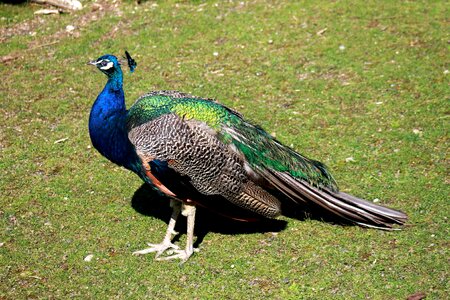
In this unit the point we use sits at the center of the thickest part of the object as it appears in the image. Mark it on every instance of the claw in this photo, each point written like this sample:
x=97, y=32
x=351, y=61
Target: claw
x=158, y=248
x=183, y=255
x=171, y=250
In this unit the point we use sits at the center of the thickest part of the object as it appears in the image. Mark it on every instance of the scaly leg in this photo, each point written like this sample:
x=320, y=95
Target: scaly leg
x=188, y=210
x=167, y=241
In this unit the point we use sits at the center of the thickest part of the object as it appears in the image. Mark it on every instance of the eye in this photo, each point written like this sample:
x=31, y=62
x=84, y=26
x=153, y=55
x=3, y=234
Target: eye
x=105, y=64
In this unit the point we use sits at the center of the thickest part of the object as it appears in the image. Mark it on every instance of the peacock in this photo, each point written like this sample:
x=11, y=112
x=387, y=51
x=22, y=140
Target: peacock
x=199, y=152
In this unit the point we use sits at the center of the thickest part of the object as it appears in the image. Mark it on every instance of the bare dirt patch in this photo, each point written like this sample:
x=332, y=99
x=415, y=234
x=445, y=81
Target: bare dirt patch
x=89, y=14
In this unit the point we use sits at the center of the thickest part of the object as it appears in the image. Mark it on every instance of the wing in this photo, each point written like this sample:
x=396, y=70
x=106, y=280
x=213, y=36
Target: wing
x=182, y=133
x=259, y=150
x=263, y=152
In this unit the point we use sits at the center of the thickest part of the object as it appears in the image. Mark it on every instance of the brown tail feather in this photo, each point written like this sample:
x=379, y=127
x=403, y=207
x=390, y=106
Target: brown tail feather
x=346, y=206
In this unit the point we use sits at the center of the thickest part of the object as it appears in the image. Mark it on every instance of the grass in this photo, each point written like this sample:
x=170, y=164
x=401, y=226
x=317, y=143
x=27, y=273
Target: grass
x=367, y=80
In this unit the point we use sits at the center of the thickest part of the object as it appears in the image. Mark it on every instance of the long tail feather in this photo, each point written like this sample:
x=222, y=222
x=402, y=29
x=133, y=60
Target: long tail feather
x=346, y=206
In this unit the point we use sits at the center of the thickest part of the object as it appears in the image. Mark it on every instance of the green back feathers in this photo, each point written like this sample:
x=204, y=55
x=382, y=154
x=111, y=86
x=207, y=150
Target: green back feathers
x=206, y=111
x=146, y=109
x=259, y=148
x=150, y=107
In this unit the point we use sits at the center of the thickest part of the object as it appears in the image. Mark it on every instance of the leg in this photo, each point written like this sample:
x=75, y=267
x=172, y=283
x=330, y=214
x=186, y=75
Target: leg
x=189, y=212
x=167, y=241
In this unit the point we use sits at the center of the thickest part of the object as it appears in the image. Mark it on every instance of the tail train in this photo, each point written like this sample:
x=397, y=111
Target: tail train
x=348, y=207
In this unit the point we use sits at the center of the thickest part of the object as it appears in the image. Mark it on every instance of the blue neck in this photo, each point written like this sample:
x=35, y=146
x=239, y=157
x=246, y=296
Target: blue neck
x=115, y=83
x=107, y=126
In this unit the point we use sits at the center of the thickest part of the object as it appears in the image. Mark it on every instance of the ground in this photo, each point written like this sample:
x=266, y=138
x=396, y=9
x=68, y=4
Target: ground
x=362, y=87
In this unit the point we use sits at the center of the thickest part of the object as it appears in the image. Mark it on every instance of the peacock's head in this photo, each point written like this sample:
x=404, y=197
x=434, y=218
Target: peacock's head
x=108, y=64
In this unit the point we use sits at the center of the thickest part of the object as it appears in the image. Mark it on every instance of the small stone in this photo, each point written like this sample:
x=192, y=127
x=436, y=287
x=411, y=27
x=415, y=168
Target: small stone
x=89, y=257
x=349, y=159
x=417, y=131
x=70, y=28
x=216, y=53
x=376, y=200
x=342, y=47
x=96, y=7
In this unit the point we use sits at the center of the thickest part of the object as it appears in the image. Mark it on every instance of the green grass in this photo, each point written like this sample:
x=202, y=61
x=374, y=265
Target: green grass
x=366, y=80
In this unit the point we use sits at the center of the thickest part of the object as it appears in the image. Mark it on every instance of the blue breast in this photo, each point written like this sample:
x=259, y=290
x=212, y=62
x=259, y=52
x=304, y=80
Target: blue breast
x=107, y=127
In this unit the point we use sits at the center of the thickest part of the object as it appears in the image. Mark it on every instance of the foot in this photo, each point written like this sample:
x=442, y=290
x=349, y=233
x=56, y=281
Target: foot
x=183, y=255
x=158, y=248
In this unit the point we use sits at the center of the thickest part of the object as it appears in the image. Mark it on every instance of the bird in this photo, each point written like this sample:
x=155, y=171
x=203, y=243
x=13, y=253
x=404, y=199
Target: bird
x=200, y=153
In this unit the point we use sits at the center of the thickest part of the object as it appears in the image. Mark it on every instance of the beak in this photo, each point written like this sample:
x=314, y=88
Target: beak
x=92, y=62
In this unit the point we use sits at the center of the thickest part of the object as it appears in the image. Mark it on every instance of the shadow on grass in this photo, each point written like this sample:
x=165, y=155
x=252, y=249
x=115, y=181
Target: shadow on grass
x=149, y=203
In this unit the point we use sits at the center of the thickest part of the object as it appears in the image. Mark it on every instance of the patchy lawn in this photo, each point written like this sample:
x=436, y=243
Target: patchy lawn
x=362, y=87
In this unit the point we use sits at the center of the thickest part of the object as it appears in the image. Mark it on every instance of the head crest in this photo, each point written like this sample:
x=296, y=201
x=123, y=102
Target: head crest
x=131, y=62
